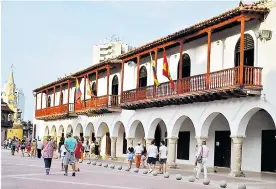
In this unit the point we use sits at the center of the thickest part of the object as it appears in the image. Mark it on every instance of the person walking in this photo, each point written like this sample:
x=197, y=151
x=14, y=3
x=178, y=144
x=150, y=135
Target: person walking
x=63, y=152
x=87, y=152
x=22, y=148
x=70, y=145
x=78, y=153
x=97, y=150
x=152, y=154
x=144, y=157
x=202, y=157
x=130, y=156
x=138, y=152
x=38, y=148
x=33, y=149
x=163, y=152
x=13, y=145
x=48, y=149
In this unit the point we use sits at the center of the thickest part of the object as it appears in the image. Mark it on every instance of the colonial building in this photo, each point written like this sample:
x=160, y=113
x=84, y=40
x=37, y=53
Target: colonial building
x=6, y=120
x=219, y=88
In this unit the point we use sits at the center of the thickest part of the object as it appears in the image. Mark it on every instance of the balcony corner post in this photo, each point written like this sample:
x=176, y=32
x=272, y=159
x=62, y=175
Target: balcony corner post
x=241, y=68
x=209, y=32
x=122, y=80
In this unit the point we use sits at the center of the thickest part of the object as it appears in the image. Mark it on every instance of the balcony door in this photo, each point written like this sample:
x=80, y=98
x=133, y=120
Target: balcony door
x=185, y=82
x=49, y=101
x=115, y=91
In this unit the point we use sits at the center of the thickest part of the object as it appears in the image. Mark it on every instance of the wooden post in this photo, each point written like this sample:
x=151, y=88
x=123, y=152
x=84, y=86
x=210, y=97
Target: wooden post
x=97, y=81
x=41, y=96
x=155, y=64
x=84, y=90
x=60, y=92
x=47, y=98
x=68, y=97
x=208, y=59
x=122, y=78
x=107, y=75
x=54, y=96
x=180, y=67
x=242, y=51
x=35, y=101
x=138, y=72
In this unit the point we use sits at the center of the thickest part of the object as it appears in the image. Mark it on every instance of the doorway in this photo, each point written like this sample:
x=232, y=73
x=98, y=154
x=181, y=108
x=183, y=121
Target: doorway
x=268, y=163
x=183, y=145
x=222, y=149
x=108, y=144
x=115, y=91
x=157, y=136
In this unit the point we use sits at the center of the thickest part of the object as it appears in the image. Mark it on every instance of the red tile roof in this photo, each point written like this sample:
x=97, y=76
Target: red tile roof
x=251, y=8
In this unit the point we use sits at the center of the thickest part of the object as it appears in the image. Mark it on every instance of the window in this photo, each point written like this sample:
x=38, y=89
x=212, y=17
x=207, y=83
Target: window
x=143, y=77
x=248, y=51
x=186, y=66
x=49, y=101
x=115, y=85
x=94, y=89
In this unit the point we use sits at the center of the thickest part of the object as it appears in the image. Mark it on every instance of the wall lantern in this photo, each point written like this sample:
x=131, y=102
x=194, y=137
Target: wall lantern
x=264, y=35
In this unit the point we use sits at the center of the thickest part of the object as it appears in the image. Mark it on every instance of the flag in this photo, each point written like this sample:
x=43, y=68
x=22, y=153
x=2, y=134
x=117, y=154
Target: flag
x=166, y=70
x=154, y=71
x=89, y=92
x=78, y=92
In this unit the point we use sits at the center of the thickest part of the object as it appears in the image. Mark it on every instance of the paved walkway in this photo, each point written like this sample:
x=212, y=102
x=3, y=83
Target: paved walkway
x=26, y=173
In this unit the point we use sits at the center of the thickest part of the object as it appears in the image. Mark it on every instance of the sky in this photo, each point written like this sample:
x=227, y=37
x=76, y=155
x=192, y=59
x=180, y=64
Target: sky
x=46, y=40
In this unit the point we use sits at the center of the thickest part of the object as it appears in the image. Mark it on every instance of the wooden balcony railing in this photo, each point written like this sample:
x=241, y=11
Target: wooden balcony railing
x=60, y=109
x=228, y=78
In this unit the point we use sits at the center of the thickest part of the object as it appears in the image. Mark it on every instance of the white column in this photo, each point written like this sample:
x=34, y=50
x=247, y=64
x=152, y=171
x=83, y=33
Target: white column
x=113, y=147
x=172, y=151
x=236, y=157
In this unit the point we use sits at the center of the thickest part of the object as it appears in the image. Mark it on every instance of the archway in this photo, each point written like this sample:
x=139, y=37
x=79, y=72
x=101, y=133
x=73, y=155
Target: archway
x=137, y=132
x=258, y=151
x=69, y=129
x=46, y=131
x=158, y=131
x=104, y=133
x=54, y=133
x=121, y=143
x=79, y=132
x=217, y=128
x=90, y=132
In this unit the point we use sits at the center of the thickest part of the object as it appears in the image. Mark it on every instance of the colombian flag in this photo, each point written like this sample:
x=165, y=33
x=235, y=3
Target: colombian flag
x=154, y=72
x=78, y=92
x=166, y=70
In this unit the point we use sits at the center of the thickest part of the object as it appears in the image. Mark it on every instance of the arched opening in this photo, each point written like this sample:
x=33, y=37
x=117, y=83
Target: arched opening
x=79, y=132
x=49, y=101
x=69, y=129
x=219, y=140
x=121, y=143
x=258, y=150
x=248, y=51
x=159, y=128
x=46, y=131
x=143, y=77
x=186, y=66
x=115, y=85
x=54, y=133
x=61, y=98
x=90, y=132
x=104, y=133
x=137, y=132
x=94, y=89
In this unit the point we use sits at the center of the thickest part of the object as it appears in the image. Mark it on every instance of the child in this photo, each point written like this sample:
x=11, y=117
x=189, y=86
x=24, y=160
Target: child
x=130, y=155
x=63, y=152
x=29, y=150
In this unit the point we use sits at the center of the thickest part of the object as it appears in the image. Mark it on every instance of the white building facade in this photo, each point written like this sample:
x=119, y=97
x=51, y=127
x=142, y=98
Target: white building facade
x=212, y=101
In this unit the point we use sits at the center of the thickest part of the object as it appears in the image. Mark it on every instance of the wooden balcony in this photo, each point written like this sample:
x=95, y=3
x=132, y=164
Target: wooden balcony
x=222, y=84
x=99, y=105
x=52, y=113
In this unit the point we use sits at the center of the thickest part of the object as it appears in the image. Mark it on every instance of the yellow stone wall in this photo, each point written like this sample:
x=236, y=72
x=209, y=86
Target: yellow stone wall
x=15, y=133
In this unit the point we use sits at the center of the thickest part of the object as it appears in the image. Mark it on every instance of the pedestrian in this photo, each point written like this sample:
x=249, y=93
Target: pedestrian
x=63, y=152
x=70, y=145
x=163, y=152
x=144, y=157
x=61, y=142
x=22, y=148
x=78, y=152
x=13, y=145
x=202, y=157
x=29, y=150
x=48, y=149
x=152, y=154
x=9, y=143
x=38, y=148
x=33, y=148
x=87, y=152
x=18, y=144
x=138, y=152
x=130, y=156
x=6, y=144
x=97, y=150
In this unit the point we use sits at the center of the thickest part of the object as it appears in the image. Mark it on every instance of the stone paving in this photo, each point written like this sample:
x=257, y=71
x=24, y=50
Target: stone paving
x=26, y=173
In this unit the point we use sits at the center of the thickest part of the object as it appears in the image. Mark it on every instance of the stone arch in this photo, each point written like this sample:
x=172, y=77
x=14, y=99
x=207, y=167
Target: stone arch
x=78, y=130
x=132, y=129
x=103, y=132
x=46, y=131
x=115, y=130
x=53, y=131
x=243, y=123
x=69, y=129
x=207, y=123
x=119, y=131
x=137, y=132
x=157, y=130
x=89, y=130
x=178, y=123
x=60, y=130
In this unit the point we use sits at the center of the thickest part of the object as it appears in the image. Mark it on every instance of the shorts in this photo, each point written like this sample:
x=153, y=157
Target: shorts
x=130, y=157
x=69, y=158
x=62, y=158
x=151, y=160
x=163, y=160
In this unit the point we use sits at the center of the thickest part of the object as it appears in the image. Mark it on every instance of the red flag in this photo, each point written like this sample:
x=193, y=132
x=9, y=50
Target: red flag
x=166, y=70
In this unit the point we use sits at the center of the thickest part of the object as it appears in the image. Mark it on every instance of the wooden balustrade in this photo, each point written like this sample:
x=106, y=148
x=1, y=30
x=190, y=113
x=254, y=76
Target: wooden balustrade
x=227, y=78
x=60, y=109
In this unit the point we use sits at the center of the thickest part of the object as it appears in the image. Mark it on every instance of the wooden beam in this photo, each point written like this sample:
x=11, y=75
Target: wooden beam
x=107, y=85
x=54, y=96
x=209, y=40
x=138, y=71
x=97, y=82
x=41, y=96
x=241, y=52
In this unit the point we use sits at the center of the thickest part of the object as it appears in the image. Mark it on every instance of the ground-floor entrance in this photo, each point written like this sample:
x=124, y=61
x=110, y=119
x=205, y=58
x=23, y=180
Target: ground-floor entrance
x=222, y=154
x=183, y=145
x=268, y=151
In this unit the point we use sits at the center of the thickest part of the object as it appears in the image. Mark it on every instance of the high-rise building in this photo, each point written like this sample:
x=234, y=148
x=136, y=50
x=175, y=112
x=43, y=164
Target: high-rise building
x=109, y=50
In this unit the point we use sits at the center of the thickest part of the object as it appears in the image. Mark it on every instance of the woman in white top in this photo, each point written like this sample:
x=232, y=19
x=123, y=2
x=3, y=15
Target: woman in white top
x=63, y=152
x=87, y=151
